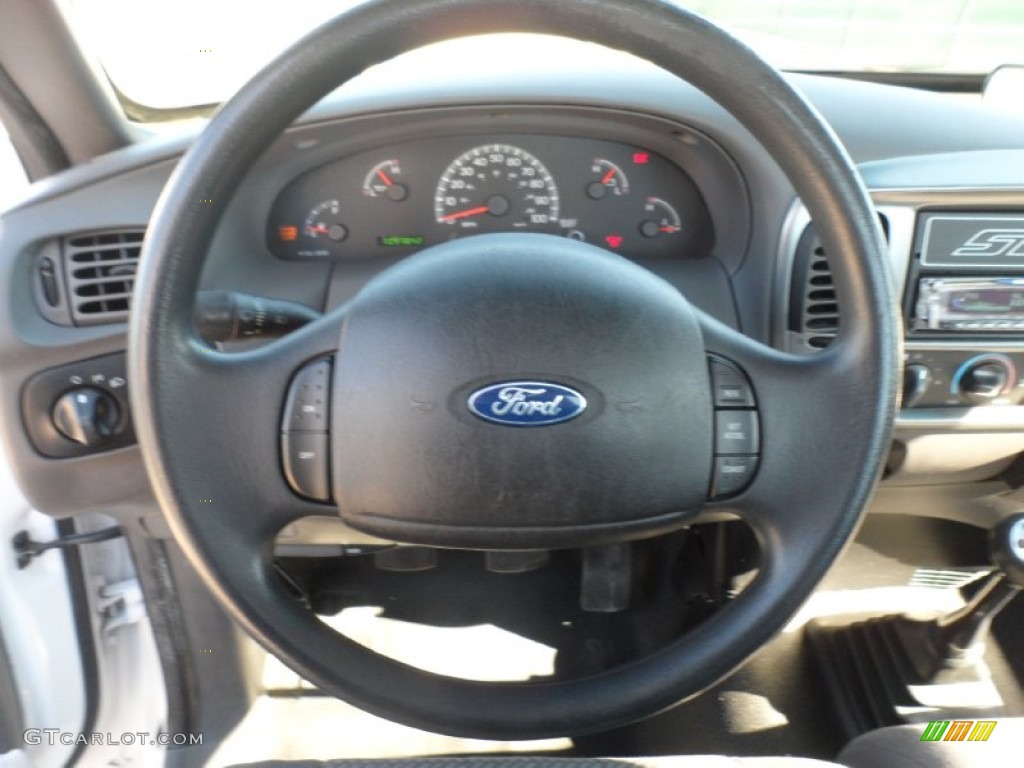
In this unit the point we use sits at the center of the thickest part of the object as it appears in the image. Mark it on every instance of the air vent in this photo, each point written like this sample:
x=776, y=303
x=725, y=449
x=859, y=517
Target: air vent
x=813, y=304
x=100, y=268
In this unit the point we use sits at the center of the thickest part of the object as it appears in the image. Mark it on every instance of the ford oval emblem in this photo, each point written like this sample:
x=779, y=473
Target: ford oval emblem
x=527, y=403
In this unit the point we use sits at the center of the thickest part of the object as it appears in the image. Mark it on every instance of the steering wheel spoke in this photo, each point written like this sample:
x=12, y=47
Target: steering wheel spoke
x=809, y=413
x=230, y=432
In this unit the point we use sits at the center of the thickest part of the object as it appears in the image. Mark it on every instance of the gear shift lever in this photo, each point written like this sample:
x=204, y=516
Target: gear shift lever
x=895, y=669
x=1007, y=546
x=957, y=641
x=947, y=649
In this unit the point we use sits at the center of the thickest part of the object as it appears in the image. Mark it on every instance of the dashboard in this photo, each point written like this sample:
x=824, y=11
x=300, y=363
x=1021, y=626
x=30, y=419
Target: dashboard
x=650, y=169
x=402, y=197
x=602, y=149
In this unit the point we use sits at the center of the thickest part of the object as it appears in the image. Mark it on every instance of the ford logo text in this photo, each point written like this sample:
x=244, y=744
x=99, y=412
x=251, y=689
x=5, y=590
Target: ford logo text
x=527, y=403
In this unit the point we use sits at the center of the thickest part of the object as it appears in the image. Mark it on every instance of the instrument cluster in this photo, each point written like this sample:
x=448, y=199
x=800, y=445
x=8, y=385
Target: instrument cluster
x=398, y=199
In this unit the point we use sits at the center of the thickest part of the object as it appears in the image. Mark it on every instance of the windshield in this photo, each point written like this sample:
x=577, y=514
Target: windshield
x=169, y=55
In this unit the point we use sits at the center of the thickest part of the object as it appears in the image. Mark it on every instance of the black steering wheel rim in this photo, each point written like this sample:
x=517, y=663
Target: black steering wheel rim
x=186, y=439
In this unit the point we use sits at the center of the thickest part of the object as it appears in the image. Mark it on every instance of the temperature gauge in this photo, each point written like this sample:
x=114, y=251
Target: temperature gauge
x=609, y=180
x=660, y=218
x=383, y=182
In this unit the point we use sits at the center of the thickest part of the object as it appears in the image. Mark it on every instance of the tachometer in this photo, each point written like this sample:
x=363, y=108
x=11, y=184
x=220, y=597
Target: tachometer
x=497, y=187
x=322, y=222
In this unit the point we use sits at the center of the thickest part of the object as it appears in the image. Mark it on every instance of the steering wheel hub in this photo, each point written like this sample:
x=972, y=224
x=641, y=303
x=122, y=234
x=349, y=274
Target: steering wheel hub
x=413, y=461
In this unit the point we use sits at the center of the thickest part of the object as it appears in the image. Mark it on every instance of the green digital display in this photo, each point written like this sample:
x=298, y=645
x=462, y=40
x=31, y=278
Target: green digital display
x=389, y=241
x=988, y=301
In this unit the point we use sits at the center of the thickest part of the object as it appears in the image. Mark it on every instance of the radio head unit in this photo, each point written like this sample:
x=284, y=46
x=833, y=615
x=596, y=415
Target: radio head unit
x=971, y=304
x=967, y=275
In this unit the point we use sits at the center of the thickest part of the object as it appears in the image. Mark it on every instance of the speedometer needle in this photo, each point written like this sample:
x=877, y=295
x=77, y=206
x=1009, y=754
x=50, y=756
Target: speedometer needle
x=469, y=212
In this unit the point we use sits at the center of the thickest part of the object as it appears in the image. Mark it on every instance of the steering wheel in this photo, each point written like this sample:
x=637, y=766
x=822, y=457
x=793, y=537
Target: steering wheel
x=627, y=352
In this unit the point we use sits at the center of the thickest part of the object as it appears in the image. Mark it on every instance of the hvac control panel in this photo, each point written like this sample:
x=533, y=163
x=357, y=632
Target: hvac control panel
x=963, y=378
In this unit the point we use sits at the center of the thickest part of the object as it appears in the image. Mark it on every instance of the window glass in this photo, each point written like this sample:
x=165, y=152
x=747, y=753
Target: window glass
x=165, y=54
x=12, y=174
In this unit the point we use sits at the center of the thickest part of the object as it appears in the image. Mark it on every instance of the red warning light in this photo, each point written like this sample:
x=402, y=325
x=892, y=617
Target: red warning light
x=614, y=241
x=641, y=158
x=288, y=233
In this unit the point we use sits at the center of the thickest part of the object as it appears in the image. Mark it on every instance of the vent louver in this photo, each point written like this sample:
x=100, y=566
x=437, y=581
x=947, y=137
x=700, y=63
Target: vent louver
x=100, y=269
x=813, y=306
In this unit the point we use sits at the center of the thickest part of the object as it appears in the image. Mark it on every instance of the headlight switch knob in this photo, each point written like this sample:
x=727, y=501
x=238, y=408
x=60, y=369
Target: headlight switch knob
x=87, y=415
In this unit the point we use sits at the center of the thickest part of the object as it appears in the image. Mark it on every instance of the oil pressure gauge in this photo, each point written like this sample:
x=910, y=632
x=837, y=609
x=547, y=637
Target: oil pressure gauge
x=607, y=179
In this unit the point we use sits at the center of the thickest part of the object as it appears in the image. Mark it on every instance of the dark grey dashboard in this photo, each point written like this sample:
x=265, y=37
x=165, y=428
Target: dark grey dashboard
x=728, y=224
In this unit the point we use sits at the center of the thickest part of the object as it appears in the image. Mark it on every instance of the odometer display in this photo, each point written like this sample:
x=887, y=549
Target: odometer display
x=496, y=187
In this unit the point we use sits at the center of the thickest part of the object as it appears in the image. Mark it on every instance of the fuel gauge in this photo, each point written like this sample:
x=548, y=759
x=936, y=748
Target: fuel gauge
x=660, y=218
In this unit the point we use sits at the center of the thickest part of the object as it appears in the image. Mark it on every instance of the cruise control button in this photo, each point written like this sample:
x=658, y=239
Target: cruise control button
x=732, y=474
x=730, y=386
x=306, y=407
x=306, y=464
x=735, y=432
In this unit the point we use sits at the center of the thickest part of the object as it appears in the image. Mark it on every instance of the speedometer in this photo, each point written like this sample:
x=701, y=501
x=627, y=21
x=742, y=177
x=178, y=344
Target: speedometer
x=496, y=187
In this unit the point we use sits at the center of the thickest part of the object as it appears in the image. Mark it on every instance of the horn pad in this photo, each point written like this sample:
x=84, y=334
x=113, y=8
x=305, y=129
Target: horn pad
x=519, y=390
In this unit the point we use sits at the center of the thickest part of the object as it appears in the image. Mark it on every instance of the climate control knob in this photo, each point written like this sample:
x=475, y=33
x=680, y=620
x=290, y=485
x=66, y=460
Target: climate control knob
x=985, y=380
x=916, y=380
